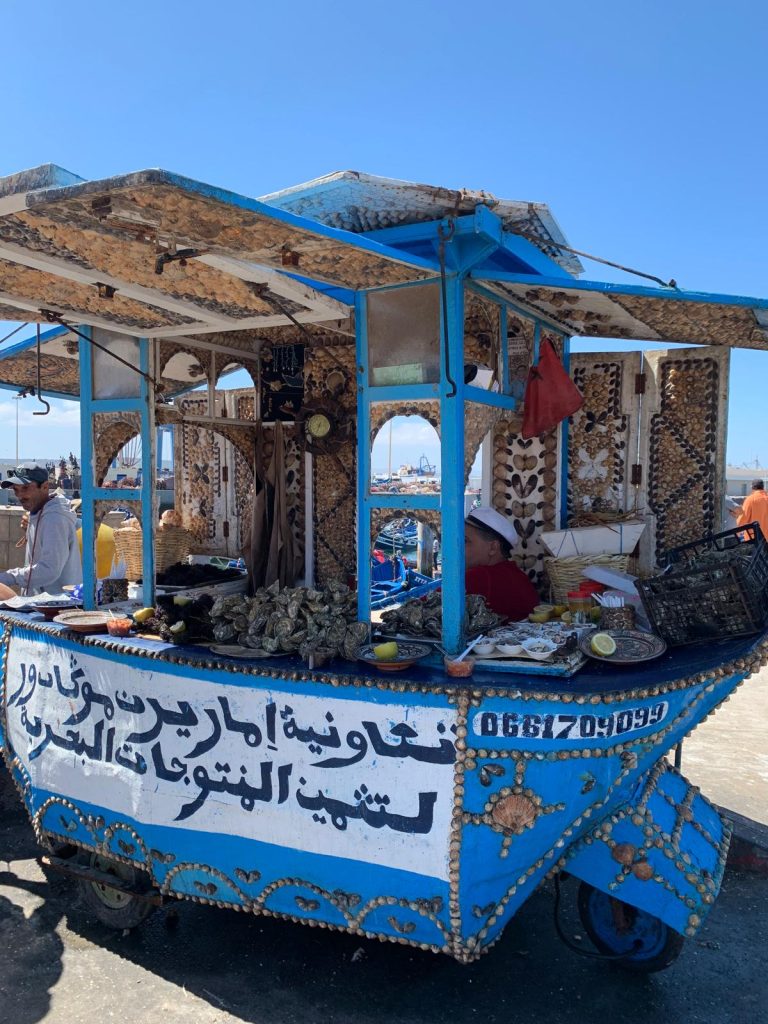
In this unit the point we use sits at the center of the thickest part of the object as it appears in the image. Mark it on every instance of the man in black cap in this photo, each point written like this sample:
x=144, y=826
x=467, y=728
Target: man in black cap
x=754, y=508
x=52, y=554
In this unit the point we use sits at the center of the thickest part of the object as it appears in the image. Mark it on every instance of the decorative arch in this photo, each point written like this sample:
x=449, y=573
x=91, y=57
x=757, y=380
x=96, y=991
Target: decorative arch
x=111, y=432
x=381, y=516
x=232, y=363
x=382, y=412
x=170, y=350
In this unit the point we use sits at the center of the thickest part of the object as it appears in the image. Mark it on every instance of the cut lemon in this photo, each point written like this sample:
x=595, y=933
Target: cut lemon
x=602, y=644
x=385, y=652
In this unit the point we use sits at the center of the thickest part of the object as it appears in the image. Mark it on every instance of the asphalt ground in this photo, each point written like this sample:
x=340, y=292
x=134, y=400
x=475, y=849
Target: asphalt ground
x=202, y=965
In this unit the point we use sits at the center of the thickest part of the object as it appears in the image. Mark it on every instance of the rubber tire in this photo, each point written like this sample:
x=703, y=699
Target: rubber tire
x=596, y=916
x=111, y=907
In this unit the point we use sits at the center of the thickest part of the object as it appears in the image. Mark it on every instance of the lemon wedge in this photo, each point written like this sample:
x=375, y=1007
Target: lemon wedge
x=385, y=652
x=603, y=645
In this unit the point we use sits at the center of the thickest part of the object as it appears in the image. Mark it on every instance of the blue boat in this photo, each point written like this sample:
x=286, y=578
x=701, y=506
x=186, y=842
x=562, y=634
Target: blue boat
x=402, y=533
x=393, y=582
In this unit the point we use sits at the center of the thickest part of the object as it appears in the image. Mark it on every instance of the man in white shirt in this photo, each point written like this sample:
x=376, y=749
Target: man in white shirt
x=52, y=554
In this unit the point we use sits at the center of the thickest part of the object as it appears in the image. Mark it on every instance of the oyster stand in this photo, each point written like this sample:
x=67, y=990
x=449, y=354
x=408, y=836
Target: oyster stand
x=413, y=807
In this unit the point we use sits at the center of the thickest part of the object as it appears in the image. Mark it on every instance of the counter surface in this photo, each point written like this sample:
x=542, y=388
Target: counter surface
x=595, y=678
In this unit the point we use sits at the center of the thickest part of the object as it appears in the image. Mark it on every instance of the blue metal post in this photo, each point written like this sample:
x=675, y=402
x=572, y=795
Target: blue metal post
x=87, y=471
x=452, y=463
x=363, y=463
x=148, y=490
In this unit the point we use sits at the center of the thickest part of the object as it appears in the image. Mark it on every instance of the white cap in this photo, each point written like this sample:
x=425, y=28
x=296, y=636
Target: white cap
x=490, y=521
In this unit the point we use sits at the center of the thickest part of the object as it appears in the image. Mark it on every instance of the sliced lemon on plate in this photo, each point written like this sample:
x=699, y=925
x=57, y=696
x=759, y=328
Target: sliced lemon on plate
x=385, y=652
x=603, y=645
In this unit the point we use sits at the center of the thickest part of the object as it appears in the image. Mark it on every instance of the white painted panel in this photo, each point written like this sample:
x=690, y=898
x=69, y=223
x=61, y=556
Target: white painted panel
x=323, y=775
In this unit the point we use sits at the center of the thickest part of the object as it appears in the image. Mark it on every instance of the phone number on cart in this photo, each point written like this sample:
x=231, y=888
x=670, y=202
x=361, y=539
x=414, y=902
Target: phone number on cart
x=511, y=725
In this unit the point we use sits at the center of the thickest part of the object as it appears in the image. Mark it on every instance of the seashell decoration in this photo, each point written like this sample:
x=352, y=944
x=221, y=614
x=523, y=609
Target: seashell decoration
x=514, y=813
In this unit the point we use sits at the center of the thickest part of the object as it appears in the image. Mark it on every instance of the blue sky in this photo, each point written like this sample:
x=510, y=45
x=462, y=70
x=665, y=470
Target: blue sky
x=642, y=126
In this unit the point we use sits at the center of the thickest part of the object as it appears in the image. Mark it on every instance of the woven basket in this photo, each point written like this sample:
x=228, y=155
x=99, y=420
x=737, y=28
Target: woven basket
x=566, y=574
x=172, y=545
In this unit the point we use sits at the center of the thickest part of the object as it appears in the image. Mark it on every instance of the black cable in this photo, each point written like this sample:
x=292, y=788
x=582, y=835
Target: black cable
x=14, y=331
x=548, y=243
x=54, y=318
x=445, y=236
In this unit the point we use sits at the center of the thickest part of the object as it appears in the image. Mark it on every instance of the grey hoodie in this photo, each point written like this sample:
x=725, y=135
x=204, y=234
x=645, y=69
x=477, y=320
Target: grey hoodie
x=52, y=542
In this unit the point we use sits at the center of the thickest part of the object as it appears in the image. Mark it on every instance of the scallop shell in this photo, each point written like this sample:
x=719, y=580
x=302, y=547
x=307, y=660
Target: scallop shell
x=514, y=813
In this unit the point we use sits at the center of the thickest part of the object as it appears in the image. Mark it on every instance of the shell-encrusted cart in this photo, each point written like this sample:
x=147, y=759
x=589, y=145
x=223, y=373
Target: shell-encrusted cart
x=409, y=807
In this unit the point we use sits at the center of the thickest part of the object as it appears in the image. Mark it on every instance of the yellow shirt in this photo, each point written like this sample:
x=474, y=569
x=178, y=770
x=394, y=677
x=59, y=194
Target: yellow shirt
x=754, y=509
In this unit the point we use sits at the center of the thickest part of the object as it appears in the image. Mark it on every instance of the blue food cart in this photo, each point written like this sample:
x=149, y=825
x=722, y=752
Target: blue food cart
x=412, y=806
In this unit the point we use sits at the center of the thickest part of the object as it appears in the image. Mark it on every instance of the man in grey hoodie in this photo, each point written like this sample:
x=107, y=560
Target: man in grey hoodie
x=53, y=556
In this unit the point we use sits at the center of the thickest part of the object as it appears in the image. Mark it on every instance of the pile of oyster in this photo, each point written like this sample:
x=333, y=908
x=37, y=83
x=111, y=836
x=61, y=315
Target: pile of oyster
x=318, y=623
x=425, y=617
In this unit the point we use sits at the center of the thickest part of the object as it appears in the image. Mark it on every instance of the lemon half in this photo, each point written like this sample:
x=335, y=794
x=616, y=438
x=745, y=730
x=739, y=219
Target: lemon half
x=603, y=645
x=385, y=652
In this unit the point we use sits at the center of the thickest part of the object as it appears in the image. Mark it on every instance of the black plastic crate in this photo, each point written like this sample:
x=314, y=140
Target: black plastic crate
x=712, y=589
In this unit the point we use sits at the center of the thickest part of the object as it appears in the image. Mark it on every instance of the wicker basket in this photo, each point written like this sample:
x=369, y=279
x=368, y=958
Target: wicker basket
x=566, y=574
x=172, y=545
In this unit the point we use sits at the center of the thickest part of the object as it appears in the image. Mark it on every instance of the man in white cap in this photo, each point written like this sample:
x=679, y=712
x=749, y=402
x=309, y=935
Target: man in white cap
x=52, y=555
x=489, y=538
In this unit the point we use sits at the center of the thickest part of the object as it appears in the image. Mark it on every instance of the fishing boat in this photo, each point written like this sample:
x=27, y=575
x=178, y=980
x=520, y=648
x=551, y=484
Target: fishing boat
x=399, y=534
x=393, y=581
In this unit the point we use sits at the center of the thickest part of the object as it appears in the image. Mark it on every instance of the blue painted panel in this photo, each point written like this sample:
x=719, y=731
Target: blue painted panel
x=407, y=501
x=489, y=398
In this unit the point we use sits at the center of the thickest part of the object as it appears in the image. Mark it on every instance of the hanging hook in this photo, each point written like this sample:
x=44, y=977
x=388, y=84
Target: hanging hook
x=37, y=391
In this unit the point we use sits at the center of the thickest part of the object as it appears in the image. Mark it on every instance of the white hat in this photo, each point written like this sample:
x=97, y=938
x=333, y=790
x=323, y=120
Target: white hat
x=490, y=521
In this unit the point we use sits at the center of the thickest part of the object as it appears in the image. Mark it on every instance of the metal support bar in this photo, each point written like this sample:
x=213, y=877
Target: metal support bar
x=452, y=462
x=88, y=874
x=363, y=463
x=148, y=489
x=405, y=501
x=88, y=469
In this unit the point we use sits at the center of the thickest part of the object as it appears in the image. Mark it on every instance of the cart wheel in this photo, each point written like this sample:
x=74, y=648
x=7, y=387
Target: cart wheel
x=643, y=942
x=113, y=907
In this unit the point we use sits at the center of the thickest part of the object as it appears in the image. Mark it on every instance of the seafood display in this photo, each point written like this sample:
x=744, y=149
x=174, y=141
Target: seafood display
x=424, y=617
x=177, y=619
x=292, y=620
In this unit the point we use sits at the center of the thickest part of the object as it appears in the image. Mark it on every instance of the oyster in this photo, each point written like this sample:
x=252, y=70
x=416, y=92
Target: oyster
x=315, y=622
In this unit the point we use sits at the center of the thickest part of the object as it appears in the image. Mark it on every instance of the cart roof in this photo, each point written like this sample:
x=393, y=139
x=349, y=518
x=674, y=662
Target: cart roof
x=109, y=253
x=361, y=202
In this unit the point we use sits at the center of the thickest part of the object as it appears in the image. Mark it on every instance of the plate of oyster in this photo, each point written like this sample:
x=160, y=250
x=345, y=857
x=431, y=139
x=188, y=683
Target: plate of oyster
x=422, y=619
x=316, y=624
